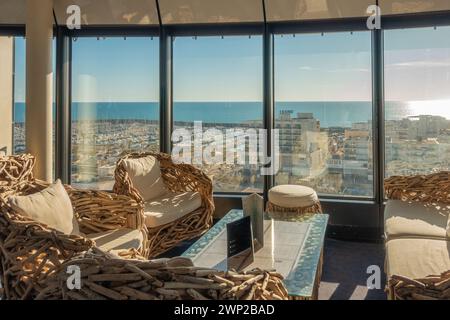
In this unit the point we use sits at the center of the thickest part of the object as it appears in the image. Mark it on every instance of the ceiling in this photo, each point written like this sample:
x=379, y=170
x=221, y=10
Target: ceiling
x=144, y=12
x=12, y=11
x=108, y=12
x=289, y=10
x=211, y=11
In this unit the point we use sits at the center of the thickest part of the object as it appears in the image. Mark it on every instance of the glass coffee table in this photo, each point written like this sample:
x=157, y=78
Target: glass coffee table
x=294, y=249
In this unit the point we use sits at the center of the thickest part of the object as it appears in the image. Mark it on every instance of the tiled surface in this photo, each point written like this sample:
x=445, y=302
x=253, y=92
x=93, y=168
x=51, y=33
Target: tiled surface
x=291, y=248
x=301, y=282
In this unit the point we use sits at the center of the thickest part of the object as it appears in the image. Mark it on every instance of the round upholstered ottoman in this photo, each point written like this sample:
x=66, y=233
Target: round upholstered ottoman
x=292, y=202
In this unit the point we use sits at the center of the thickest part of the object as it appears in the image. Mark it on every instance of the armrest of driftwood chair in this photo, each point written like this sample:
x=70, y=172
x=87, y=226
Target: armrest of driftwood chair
x=424, y=188
x=105, y=278
x=100, y=211
x=429, y=288
x=183, y=177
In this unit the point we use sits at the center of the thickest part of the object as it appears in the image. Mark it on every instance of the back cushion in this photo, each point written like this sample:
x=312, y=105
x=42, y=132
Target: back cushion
x=145, y=174
x=51, y=206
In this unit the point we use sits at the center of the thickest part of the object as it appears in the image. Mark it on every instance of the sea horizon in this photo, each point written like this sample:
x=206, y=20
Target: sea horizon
x=329, y=113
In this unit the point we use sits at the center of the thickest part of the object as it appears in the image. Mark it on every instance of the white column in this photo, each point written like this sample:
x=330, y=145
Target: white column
x=39, y=91
x=6, y=94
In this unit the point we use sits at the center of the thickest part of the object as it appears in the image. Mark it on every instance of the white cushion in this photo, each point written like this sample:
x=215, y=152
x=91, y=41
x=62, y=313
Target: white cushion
x=118, y=240
x=292, y=196
x=415, y=219
x=171, y=207
x=51, y=206
x=417, y=258
x=145, y=174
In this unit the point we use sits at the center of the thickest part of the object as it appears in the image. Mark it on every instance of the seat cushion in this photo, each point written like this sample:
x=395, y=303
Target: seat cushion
x=417, y=258
x=171, y=207
x=415, y=219
x=118, y=240
x=145, y=174
x=51, y=206
x=292, y=196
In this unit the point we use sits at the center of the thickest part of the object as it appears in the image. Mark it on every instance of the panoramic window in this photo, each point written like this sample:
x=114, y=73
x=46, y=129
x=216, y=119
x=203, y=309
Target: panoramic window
x=218, y=102
x=417, y=94
x=324, y=112
x=115, y=105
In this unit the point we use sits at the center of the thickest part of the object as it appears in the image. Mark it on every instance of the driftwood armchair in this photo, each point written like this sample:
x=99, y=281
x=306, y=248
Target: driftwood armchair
x=178, y=198
x=31, y=252
x=418, y=237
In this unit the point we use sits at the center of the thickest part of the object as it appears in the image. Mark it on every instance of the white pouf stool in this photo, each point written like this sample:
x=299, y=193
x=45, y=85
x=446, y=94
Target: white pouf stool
x=292, y=201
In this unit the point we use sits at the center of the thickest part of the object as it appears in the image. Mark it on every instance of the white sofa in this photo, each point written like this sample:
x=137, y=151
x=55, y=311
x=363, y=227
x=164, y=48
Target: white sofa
x=417, y=233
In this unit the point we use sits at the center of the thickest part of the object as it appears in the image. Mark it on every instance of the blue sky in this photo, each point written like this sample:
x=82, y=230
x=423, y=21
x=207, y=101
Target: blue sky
x=309, y=67
x=329, y=67
x=216, y=69
x=19, y=79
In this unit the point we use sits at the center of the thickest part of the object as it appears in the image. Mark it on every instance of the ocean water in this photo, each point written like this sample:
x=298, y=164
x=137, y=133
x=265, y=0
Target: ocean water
x=330, y=114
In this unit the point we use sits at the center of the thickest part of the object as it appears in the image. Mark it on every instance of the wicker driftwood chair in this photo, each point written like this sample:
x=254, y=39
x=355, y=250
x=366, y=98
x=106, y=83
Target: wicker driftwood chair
x=30, y=251
x=431, y=190
x=178, y=178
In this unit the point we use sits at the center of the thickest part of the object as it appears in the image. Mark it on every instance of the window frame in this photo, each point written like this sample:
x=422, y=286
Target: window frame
x=256, y=32
x=65, y=38
x=355, y=211
x=352, y=26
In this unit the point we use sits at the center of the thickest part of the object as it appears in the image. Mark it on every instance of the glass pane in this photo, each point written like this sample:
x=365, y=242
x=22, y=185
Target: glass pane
x=218, y=82
x=115, y=105
x=19, y=143
x=324, y=112
x=417, y=90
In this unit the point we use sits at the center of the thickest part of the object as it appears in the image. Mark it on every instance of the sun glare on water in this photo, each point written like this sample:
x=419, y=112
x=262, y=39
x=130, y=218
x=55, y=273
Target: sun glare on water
x=430, y=107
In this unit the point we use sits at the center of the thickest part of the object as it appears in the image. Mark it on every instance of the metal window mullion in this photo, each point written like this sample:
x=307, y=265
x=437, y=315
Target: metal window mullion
x=378, y=108
x=166, y=100
x=13, y=147
x=63, y=106
x=268, y=98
